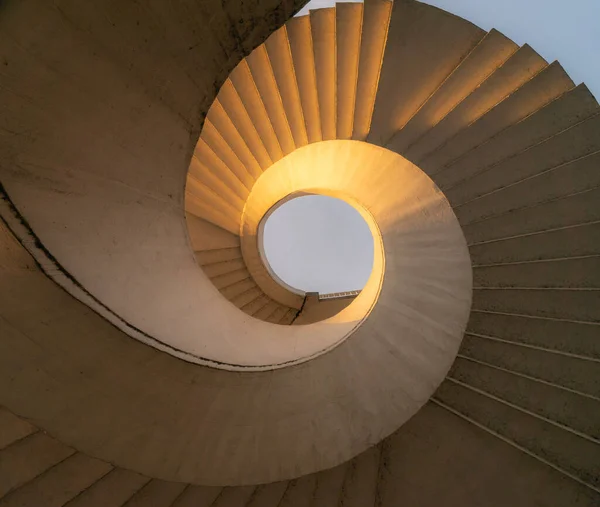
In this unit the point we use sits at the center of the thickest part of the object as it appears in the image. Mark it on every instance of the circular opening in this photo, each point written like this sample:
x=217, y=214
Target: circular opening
x=317, y=243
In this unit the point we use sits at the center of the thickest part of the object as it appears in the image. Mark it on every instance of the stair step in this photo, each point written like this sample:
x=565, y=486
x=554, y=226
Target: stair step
x=300, y=492
x=417, y=34
x=568, y=337
x=218, y=117
x=578, y=141
x=234, y=496
x=360, y=487
x=532, y=136
x=578, y=305
x=207, y=236
x=256, y=304
x=280, y=57
x=322, y=22
x=218, y=255
x=277, y=314
x=226, y=279
x=198, y=496
x=212, y=198
x=211, y=136
x=562, y=244
x=565, y=407
x=543, y=88
x=564, y=371
x=301, y=46
x=289, y=317
x=156, y=493
x=516, y=71
x=267, y=310
x=376, y=19
x=216, y=184
x=246, y=297
x=13, y=428
x=247, y=90
x=215, y=165
x=491, y=52
x=262, y=74
x=236, y=111
x=523, y=190
x=560, y=273
x=548, y=217
x=207, y=207
x=329, y=486
x=27, y=458
x=222, y=268
x=59, y=484
x=112, y=490
x=348, y=26
x=567, y=451
x=268, y=495
x=237, y=288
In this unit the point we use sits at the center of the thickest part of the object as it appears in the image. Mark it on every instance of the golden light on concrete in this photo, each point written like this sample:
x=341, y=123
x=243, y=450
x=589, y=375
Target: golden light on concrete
x=103, y=103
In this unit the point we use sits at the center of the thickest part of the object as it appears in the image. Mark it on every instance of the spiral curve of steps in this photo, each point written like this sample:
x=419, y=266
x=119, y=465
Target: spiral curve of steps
x=109, y=108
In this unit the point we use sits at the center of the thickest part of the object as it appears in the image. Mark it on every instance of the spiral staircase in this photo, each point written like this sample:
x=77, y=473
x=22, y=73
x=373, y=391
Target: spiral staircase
x=143, y=146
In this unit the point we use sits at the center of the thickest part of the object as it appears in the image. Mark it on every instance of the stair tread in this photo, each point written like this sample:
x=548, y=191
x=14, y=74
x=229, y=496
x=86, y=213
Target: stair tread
x=417, y=34
x=12, y=428
x=322, y=22
x=247, y=90
x=329, y=486
x=376, y=18
x=542, y=89
x=301, y=45
x=491, y=52
x=26, y=459
x=219, y=118
x=348, y=26
x=198, y=496
x=565, y=407
x=516, y=70
x=205, y=205
x=268, y=495
x=114, y=489
x=212, y=137
x=567, y=451
x=565, y=179
x=235, y=109
x=280, y=57
x=156, y=493
x=59, y=484
x=262, y=74
x=565, y=130
x=217, y=185
x=211, y=161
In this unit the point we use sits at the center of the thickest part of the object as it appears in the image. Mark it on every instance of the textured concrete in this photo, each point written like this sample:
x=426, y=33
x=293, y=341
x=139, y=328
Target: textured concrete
x=97, y=147
x=403, y=339
x=431, y=442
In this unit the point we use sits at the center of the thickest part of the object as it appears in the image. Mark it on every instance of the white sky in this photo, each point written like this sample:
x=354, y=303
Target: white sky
x=563, y=30
x=320, y=244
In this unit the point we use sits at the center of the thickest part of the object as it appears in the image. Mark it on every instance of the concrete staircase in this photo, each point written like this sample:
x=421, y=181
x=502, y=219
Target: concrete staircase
x=514, y=145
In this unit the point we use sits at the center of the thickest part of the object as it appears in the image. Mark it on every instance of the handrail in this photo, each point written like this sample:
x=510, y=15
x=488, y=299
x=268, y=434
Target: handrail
x=335, y=295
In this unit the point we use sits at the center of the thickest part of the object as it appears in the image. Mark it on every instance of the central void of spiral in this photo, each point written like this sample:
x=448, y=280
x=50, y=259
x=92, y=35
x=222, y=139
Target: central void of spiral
x=317, y=243
x=418, y=293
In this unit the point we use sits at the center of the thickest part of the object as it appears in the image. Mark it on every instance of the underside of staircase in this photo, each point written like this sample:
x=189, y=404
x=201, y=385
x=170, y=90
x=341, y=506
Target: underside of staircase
x=101, y=102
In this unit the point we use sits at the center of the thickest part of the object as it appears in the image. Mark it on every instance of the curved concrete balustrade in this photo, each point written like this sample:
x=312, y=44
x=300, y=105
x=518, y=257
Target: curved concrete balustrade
x=416, y=313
